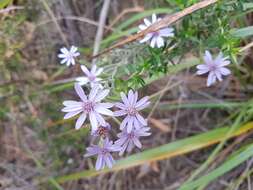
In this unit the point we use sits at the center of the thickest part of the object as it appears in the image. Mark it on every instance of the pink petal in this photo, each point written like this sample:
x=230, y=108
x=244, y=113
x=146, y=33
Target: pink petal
x=211, y=79
x=93, y=121
x=85, y=70
x=120, y=113
x=141, y=119
x=166, y=32
x=80, y=92
x=72, y=114
x=103, y=111
x=99, y=162
x=159, y=42
x=208, y=57
x=124, y=98
x=225, y=71
x=80, y=121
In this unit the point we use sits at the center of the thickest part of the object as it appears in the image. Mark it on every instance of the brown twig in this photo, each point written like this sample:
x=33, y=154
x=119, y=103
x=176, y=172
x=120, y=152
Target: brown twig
x=10, y=8
x=166, y=21
x=124, y=12
x=100, y=29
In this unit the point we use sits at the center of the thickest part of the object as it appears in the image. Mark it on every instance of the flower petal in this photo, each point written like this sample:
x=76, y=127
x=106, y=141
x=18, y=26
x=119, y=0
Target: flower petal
x=72, y=114
x=119, y=113
x=147, y=22
x=211, y=79
x=101, y=95
x=103, y=111
x=130, y=124
x=80, y=121
x=99, y=71
x=159, y=42
x=124, y=99
x=146, y=38
x=85, y=70
x=124, y=122
x=93, y=121
x=99, y=162
x=154, y=18
x=82, y=80
x=224, y=71
x=153, y=42
x=93, y=69
x=137, y=142
x=80, y=92
x=166, y=32
x=142, y=27
x=71, y=103
x=141, y=119
x=93, y=92
x=208, y=57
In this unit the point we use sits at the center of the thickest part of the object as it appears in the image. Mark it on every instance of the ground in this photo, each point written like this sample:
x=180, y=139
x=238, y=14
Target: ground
x=37, y=144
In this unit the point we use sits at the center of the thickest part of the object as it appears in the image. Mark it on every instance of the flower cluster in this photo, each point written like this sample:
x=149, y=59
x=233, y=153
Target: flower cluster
x=91, y=105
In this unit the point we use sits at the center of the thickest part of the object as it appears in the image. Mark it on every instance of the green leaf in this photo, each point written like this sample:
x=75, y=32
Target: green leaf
x=199, y=105
x=247, y=6
x=173, y=69
x=164, y=152
x=243, y=32
x=4, y=3
x=233, y=162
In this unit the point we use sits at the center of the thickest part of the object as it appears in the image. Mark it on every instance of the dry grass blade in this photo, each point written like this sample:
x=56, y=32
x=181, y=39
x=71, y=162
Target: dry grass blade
x=164, y=152
x=166, y=21
x=160, y=125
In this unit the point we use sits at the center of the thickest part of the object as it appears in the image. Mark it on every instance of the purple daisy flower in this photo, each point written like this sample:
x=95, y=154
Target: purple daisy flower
x=91, y=76
x=127, y=141
x=90, y=106
x=215, y=68
x=104, y=153
x=68, y=56
x=131, y=107
x=155, y=38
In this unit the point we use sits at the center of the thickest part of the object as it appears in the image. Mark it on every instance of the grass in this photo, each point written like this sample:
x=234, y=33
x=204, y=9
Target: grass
x=30, y=108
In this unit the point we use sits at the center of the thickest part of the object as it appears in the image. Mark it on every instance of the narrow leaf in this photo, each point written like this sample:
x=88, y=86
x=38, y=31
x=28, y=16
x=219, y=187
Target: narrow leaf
x=163, y=152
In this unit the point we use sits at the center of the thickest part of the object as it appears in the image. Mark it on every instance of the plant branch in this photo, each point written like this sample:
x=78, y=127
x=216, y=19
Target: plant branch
x=166, y=21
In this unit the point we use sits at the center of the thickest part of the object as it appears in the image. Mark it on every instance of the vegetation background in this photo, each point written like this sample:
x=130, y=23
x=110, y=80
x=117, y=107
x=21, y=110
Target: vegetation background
x=212, y=125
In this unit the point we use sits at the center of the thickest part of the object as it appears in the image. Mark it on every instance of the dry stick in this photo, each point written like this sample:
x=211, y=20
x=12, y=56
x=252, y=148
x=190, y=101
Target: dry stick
x=75, y=18
x=166, y=21
x=51, y=14
x=167, y=87
x=100, y=29
x=10, y=8
x=124, y=12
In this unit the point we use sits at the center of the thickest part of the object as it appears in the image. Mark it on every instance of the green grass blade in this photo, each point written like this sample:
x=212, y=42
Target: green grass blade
x=243, y=32
x=233, y=162
x=199, y=105
x=4, y=3
x=164, y=152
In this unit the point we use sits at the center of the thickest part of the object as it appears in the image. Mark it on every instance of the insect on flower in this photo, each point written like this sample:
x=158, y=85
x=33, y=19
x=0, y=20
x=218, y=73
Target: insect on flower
x=88, y=106
x=127, y=141
x=214, y=67
x=155, y=38
x=102, y=131
x=131, y=107
x=68, y=56
x=91, y=76
x=104, y=153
